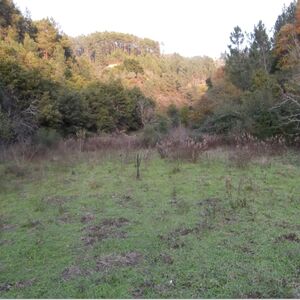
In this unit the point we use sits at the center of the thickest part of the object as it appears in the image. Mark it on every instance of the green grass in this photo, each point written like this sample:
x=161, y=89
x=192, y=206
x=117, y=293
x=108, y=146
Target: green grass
x=203, y=230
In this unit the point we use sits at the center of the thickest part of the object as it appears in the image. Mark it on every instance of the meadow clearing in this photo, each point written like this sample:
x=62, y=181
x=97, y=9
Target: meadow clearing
x=82, y=226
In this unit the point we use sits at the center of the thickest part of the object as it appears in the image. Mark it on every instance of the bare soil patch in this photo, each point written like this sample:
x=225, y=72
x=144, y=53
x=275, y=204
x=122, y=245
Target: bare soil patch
x=24, y=283
x=119, y=222
x=173, y=238
x=126, y=200
x=66, y=218
x=108, y=228
x=210, y=206
x=5, y=287
x=166, y=258
x=73, y=272
x=291, y=237
x=140, y=291
x=114, y=260
x=87, y=218
x=7, y=227
x=33, y=224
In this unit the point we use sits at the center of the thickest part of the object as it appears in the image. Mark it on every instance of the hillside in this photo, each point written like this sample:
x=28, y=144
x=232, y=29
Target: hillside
x=168, y=79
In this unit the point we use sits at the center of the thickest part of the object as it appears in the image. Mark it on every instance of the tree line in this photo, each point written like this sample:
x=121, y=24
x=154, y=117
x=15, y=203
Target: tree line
x=44, y=85
x=257, y=90
x=107, y=82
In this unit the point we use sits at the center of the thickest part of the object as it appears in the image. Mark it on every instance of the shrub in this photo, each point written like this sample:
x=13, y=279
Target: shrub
x=46, y=137
x=179, y=145
x=150, y=136
x=174, y=115
x=248, y=147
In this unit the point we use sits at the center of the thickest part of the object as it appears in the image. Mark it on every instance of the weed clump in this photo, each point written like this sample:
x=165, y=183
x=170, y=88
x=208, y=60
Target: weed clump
x=178, y=145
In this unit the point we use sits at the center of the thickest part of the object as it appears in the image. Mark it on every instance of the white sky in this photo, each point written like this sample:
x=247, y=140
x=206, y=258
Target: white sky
x=188, y=27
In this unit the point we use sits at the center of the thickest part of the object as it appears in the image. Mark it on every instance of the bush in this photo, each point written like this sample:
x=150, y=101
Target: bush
x=179, y=145
x=46, y=137
x=174, y=115
x=150, y=136
x=155, y=131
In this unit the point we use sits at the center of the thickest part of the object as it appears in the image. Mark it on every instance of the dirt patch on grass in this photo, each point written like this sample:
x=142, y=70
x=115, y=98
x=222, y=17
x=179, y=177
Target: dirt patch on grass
x=247, y=250
x=141, y=291
x=103, y=263
x=66, y=218
x=31, y=224
x=126, y=200
x=5, y=287
x=230, y=220
x=87, y=218
x=291, y=237
x=7, y=227
x=138, y=293
x=108, y=228
x=210, y=206
x=113, y=260
x=166, y=258
x=24, y=283
x=73, y=272
x=185, y=231
x=172, y=241
x=118, y=222
x=174, y=238
x=209, y=202
x=4, y=224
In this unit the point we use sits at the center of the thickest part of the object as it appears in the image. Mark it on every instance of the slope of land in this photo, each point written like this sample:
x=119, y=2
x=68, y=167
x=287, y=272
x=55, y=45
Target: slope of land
x=169, y=79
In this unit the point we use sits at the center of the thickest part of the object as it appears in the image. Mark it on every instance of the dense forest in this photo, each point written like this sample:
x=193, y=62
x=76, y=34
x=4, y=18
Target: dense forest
x=111, y=82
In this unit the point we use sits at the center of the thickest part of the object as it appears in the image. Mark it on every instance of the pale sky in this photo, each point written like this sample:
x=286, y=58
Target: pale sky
x=188, y=27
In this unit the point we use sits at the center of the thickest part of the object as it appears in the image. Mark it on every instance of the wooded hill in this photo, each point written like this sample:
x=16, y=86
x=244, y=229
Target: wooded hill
x=138, y=62
x=107, y=82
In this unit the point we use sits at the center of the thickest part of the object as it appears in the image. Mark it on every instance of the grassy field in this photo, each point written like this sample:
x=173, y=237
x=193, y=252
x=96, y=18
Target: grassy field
x=84, y=227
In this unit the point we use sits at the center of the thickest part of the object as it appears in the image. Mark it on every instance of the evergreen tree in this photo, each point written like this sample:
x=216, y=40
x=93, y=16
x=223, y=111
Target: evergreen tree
x=238, y=66
x=260, y=48
x=47, y=37
x=286, y=17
